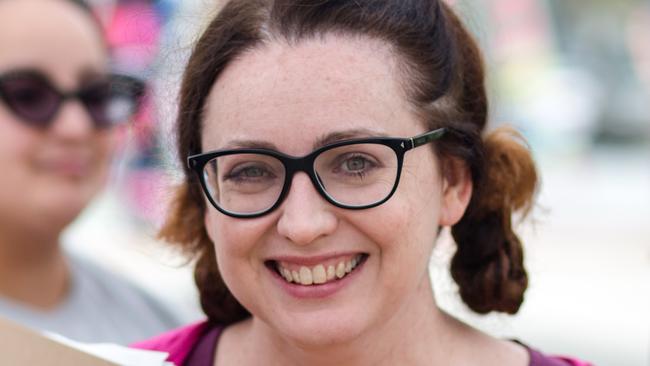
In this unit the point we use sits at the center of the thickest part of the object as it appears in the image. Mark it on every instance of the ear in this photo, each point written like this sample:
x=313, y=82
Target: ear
x=456, y=190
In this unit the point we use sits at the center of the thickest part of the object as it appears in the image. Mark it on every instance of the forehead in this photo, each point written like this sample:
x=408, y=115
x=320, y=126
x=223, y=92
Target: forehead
x=292, y=95
x=53, y=36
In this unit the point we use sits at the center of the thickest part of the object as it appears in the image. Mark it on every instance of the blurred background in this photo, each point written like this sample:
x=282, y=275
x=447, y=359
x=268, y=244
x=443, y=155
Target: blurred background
x=573, y=76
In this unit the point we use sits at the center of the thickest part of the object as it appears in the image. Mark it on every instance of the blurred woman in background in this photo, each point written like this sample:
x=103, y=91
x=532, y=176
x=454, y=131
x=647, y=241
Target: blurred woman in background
x=59, y=111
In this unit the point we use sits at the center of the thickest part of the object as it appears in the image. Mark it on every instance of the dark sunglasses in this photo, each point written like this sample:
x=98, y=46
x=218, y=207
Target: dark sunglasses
x=32, y=97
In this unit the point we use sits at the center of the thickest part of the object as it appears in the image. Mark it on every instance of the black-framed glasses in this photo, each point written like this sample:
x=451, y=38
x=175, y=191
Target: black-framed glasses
x=352, y=174
x=33, y=98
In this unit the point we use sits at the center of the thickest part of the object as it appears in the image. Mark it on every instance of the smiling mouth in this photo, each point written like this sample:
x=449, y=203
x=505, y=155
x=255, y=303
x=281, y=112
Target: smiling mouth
x=70, y=168
x=319, y=274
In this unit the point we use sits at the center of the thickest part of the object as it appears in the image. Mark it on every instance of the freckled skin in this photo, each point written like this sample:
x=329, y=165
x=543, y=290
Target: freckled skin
x=291, y=96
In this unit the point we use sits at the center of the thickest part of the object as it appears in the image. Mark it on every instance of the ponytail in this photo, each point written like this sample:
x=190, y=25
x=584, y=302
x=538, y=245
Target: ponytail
x=488, y=265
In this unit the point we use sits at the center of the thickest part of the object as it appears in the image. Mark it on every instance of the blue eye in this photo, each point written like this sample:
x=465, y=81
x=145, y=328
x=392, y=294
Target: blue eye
x=252, y=172
x=249, y=173
x=354, y=164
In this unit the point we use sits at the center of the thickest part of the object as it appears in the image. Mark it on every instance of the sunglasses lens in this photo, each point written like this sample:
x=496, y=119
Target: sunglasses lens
x=114, y=101
x=109, y=101
x=31, y=98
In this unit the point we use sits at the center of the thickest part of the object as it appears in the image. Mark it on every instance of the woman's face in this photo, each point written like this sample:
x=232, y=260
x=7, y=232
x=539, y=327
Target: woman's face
x=50, y=174
x=291, y=99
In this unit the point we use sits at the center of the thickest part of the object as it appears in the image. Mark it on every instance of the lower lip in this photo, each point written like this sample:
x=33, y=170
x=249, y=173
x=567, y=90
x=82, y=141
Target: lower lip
x=317, y=291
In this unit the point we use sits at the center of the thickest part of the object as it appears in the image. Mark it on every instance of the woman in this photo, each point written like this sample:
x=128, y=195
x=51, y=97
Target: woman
x=327, y=144
x=59, y=111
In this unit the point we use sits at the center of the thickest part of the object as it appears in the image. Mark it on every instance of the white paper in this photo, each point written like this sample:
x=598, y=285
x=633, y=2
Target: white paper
x=120, y=355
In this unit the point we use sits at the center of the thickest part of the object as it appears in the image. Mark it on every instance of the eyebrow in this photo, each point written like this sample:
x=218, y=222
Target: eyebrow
x=327, y=139
x=347, y=135
x=250, y=144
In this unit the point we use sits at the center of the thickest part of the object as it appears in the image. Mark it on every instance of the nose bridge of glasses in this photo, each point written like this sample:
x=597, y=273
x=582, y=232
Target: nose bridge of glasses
x=304, y=214
x=303, y=164
x=302, y=194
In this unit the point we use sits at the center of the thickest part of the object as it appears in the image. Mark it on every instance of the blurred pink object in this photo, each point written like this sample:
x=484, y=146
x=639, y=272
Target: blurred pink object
x=147, y=194
x=133, y=32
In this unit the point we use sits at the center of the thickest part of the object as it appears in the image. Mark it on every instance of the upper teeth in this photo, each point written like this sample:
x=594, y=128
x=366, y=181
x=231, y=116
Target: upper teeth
x=320, y=273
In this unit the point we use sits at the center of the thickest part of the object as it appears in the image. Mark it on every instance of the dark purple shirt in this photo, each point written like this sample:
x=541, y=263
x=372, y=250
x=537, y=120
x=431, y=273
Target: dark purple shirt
x=203, y=352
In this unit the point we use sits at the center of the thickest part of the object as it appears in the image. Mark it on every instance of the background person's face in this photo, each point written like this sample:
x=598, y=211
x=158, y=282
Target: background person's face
x=290, y=97
x=49, y=175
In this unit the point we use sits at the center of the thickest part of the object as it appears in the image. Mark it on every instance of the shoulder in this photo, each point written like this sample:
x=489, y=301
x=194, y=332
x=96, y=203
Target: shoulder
x=94, y=286
x=86, y=271
x=179, y=343
x=92, y=281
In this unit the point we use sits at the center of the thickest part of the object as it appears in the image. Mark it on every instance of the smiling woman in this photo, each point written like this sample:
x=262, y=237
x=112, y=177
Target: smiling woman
x=60, y=108
x=327, y=144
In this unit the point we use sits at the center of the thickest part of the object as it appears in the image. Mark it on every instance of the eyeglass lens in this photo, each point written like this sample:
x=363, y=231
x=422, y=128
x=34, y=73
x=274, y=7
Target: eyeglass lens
x=352, y=175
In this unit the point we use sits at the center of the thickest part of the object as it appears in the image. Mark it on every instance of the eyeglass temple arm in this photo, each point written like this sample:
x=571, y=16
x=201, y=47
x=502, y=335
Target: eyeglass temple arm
x=425, y=138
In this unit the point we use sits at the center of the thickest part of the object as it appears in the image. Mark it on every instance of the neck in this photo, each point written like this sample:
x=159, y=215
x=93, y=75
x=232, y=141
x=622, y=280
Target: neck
x=33, y=270
x=419, y=333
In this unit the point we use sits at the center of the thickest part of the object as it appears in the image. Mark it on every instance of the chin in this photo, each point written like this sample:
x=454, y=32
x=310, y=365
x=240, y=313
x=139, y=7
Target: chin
x=63, y=215
x=320, y=328
x=65, y=206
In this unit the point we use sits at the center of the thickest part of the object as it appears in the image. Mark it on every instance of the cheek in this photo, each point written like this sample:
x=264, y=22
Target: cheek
x=15, y=177
x=237, y=244
x=225, y=252
x=236, y=241
x=105, y=143
x=405, y=228
x=19, y=146
x=217, y=233
x=17, y=141
x=393, y=247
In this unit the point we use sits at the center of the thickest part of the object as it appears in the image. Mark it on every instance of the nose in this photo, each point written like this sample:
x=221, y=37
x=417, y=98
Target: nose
x=72, y=122
x=305, y=215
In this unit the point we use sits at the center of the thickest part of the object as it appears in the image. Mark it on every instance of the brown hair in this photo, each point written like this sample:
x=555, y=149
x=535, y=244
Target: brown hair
x=444, y=80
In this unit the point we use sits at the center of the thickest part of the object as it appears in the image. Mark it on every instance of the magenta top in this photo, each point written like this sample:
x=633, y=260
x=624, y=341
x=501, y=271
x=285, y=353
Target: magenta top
x=194, y=345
